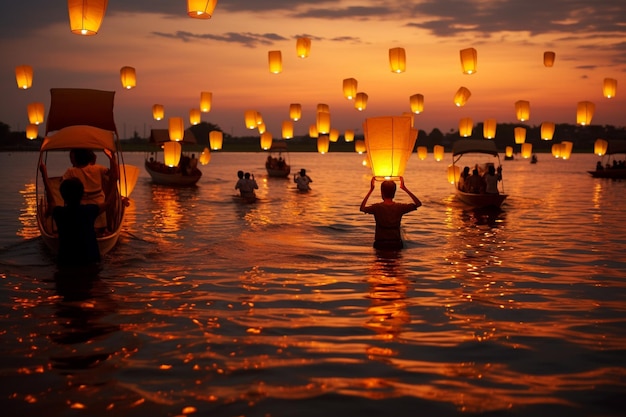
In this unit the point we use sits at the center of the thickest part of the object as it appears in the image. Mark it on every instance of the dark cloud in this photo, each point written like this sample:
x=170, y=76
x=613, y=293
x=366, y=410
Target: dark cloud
x=248, y=40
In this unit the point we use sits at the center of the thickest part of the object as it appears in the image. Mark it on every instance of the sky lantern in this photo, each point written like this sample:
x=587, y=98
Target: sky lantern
x=35, y=113
x=417, y=103
x=205, y=157
x=600, y=147
x=527, y=150
x=266, y=140
x=261, y=128
x=348, y=135
x=303, y=47
x=489, y=128
x=422, y=152
x=566, y=149
x=287, y=129
x=250, y=119
x=397, y=60
x=454, y=172
x=206, y=99
x=333, y=135
x=556, y=150
x=158, y=111
x=466, y=125
x=438, y=152
x=547, y=130
x=275, y=59
x=349, y=88
x=520, y=135
x=508, y=151
x=313, y=131
x=176, y=129
x=469, y=60
x=609, y=87
x=171, y=153
x=389, y=142
x=128, y=77
x=32, y=131
x=216, y=139
x=201, y=9
x=323, y=143
x=359, y=146
x=584, y=112
x=360, y=101
x=323, y=107
x=295, y=111
x=24, y=76
x=522, y=110
x=548, y=58
x=195, y=116
x=323, y=122
x=86, y=15
x=461, y=96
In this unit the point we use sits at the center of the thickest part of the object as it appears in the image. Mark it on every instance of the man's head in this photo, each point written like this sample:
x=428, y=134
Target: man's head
x=72, y=191
x=388, y=189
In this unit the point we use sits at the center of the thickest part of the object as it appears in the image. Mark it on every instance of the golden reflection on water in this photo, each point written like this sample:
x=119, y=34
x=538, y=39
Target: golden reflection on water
x=27, y=215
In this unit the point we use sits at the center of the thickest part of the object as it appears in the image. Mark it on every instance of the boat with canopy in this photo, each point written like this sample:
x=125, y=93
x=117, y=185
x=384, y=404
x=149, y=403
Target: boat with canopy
x=176, y=172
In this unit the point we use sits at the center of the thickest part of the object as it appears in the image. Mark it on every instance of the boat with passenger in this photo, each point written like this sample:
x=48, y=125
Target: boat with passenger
x=610, y=166
x=277, y=165
x=181, y=170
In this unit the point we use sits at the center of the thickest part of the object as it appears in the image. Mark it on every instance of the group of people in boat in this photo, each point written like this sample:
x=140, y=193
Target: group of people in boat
x=275, y=163
x=188, y=165
x=615, y=165
x=480, y=183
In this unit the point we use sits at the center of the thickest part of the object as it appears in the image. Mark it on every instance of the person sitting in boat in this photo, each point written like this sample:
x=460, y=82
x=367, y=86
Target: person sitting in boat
x=599, y=166
x=193, y=165
x=463, y=179
x=475, y=183
x=492, y=178
x=302, y=180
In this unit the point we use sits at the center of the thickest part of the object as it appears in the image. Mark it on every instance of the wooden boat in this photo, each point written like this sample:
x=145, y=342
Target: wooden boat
x=611, y=167
x=166, y=175
x=275, y=164
x=477, y=148
x=81, y=118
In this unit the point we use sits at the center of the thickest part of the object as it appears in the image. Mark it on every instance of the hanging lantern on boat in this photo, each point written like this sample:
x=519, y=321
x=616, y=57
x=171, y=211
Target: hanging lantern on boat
x=321, y=107
x=600, y=147
x=323, y=143
x=201, y=9
x=397, y=60
x=24, y=76
x=32, y=131
x=287, y=129
x=508, y=151
x=417, y=103
x=250, y=119
x=195, y=116
x=313, y=131
x=489, y=128
x=275, y=61
x=389, y=143
x=158, y=111
x=584, y=112
x=303, y=47
x=266, y=141
x=323, y=122
x=438, y=152
x=333, y=135
x=348, y=135
x=359, y=146
x=128, y=77
x=360, y=101
x=454, y=172
x=171, y=153
x=461, y=96
x=548, y=58
x=469, y=60
x=609, y=87
x=86, y=15
x=522, y=110
x=566, y=149
x=295, y=111
x=466, y=125
x=176, y=129
x=35, y=113
x=556, y=150
x=216, y=139
x=205, y=157
x=349, y=88
x=206, y=99
x=129, y=174
x=527, y=150
x=547, y=130
x=422, y=152
x=520, y=135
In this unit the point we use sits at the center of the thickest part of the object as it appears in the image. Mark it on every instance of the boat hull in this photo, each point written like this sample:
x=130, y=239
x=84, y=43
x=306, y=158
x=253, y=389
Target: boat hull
x=481, y=200
x=174, y=178
x=614, y=173
x=272, y=172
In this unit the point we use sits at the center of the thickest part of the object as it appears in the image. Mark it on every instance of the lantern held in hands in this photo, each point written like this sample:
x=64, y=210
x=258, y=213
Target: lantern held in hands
x=389, y=142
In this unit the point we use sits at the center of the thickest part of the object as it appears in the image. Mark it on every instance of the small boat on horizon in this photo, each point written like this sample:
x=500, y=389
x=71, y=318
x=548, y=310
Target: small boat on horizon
x=276, y=165
x=609, y=166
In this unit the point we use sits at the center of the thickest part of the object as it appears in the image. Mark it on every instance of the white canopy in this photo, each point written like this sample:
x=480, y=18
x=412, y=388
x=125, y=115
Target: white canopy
x=79, y=136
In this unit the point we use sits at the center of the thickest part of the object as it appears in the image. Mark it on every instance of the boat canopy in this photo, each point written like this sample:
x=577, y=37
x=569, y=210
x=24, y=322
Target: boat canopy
x=463, y=146
x=278, y=146
x=158, y=136
x=616, y=146
x=79, y=136
x=80, y=106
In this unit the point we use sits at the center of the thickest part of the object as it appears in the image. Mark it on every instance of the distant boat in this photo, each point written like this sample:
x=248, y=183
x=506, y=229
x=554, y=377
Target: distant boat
x=163, y=174
x=610, y=166
x=276, y=165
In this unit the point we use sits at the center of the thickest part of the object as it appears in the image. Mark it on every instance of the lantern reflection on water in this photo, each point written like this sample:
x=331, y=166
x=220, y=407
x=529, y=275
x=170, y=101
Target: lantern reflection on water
x=86, y=16
x=24, y=76
x=389, y=143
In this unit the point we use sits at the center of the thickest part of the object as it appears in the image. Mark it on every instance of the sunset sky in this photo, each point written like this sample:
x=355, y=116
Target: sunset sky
x=177, y=57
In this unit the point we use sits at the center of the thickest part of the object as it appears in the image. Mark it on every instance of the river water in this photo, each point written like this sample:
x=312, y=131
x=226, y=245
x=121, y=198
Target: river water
x=210, y=307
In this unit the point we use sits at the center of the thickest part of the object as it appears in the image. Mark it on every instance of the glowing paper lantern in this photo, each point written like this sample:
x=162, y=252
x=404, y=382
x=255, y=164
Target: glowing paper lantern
x=556, y=150
x=32, y=131
x=348, y=136
x=548, y=58
x=171, y=153
x=609, y=87
x=250, y=119
x=600, y=146
x=417, y=103
x=389, y=142
x=266, y=141
x=129, y=174
x=547, y=130
x=397, y=60
x=201, y=9
x=323, y=107
x=206, y=99
x=508, y=151
x=489, y=128
x=520, y=135
x=454, y=172
x=359, y=146
x=469, y=60
x=287, y=129
x=295, y=111
x=35, y=113
x=216, y=139
x=461, y=96
x=24, y=76
x=527, y=150
x=313, y=131
x=128, y=77
x=438, y=151
x=422, y=152
x=275, y=61
x=86, y=15
x=323, y=122
x=176, y=129
x=158, y=111
x=522, y=110
x=323, y=143
x=566, y=149
x=360, y=101
x=333, y=135
x=205, y=157
x=195, y=116
x=349, y=88
x=466, y=125
x=261, y=128
x=259, y=118
x=303, y=47
x=584, y=112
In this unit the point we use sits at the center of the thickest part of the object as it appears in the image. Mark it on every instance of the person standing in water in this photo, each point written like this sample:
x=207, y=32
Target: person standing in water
x=302, y=180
